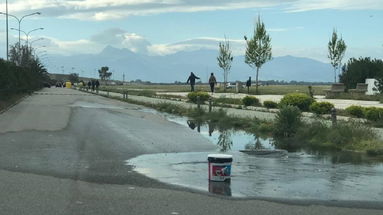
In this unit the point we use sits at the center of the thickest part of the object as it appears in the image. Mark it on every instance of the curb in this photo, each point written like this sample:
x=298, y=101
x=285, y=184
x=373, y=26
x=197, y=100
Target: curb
x=14, y=104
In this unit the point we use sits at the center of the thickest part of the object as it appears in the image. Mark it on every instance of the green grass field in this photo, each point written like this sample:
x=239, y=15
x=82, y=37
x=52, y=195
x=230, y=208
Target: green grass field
x=265, y=90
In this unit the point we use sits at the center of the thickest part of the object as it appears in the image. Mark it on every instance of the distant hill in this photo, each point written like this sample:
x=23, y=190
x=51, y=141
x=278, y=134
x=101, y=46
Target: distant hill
x=177, y=67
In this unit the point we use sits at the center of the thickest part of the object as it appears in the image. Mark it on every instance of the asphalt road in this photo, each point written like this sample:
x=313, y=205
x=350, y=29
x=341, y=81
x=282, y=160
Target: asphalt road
x=63, y=152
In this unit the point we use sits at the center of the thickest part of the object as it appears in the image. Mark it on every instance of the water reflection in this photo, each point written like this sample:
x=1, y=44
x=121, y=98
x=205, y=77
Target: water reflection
x=224, y=141
x=234, y=140
x=220, y=188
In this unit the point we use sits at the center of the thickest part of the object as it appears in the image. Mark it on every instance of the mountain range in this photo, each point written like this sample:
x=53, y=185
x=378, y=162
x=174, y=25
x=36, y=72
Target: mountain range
x=177, y=66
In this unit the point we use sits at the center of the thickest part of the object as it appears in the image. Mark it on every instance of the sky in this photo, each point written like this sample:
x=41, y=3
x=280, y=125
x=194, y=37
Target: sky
x=159, y=27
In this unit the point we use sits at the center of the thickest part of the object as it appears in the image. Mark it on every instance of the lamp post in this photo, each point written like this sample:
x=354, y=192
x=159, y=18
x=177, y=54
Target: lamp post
x=19, y=21
x=36, y=40
x=27, y=34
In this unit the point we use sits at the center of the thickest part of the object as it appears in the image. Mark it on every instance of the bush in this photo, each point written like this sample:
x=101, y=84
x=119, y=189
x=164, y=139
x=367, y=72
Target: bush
x=321, y=107
x=300, y=100
x=356, y=111
x=373, y=113
x=287, y=121
x=270, y=104
x=204, y=96
x=250, y=101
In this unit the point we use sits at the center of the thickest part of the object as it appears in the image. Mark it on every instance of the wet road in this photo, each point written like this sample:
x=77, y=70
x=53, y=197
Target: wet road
x=64, y=152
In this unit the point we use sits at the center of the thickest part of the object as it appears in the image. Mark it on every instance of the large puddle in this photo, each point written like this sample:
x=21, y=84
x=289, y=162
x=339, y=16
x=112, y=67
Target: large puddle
x=300, y=175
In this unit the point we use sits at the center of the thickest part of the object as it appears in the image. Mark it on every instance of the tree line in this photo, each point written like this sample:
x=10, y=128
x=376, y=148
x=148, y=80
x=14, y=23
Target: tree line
x=259, y=51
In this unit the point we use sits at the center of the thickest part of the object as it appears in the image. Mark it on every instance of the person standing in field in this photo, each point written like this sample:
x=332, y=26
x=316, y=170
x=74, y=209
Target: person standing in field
x=212, y=82
x=191, y=79
x=248, y=84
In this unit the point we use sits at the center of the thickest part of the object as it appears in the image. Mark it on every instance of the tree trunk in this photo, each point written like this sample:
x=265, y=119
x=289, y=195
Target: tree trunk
x=334, y=75
x=256, y=81
x=224, y=80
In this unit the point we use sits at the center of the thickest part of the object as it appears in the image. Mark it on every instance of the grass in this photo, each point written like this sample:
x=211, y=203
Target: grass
x=354, y=96
x=265, y=90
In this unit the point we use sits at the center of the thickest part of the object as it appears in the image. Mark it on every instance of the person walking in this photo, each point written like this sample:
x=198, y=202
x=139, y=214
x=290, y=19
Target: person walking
x=212, y=82
x=191, y=79
x=89, y=85
x=97, y=85
x=248, y=84
x=93, y=85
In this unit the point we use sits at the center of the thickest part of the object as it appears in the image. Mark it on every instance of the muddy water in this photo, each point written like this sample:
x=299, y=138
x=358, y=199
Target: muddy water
x=300, y=175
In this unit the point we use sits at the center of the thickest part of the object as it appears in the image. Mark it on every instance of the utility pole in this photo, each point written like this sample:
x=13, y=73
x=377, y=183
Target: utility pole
x=123, y=77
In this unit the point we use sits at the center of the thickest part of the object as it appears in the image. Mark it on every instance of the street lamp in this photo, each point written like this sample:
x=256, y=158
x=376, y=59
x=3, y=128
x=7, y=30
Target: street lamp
x=19, y=21
x=27, y=34
x=41, y=38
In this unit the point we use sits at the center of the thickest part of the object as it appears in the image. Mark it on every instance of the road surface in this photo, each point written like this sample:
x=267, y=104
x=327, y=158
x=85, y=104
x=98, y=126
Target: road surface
x=63, y=152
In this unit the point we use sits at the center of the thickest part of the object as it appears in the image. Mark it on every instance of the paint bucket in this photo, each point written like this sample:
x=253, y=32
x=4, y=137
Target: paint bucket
x=219, y=167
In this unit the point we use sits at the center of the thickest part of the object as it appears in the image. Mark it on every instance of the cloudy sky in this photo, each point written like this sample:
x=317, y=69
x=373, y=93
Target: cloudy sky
x=160, y=27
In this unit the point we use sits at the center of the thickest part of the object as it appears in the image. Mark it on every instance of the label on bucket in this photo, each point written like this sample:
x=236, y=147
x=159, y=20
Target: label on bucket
x=220, y=171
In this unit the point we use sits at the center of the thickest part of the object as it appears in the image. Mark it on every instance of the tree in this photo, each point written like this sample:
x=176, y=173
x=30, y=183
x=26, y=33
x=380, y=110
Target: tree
x=22, y=57
x=74, y=78
x=224, y=60
x=336, y=49
x=357, y=70
x=258, y=50
x=104, y=74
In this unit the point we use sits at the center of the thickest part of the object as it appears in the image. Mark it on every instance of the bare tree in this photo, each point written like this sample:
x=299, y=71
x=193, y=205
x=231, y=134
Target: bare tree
x=224, y=60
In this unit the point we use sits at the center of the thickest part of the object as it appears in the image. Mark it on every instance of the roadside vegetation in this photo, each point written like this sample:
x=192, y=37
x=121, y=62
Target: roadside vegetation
x=21, y=75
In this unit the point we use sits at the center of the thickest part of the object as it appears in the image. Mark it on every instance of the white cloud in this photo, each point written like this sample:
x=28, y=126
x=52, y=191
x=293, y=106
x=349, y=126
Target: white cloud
x=307, y=5
x=120, y=38
x=115, y=9
x=238, y=46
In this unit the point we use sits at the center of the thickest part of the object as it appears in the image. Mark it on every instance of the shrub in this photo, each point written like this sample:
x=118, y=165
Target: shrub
x=250, y=101
x=287, y=121
x=373, y=113
x=270, y=104
x=356, y=111
x=300, y=100
x=321, y=107
x=204, y=96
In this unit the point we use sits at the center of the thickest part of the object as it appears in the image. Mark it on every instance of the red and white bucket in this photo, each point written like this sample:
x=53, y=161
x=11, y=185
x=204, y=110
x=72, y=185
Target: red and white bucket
x=219, y=167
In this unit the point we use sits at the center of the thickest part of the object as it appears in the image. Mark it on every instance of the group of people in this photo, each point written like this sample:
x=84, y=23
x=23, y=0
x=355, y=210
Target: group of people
x=93, y=84
x=212, y=82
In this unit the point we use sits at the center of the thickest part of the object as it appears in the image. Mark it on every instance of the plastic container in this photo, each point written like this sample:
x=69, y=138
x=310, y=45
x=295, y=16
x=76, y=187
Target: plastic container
x=219, y=167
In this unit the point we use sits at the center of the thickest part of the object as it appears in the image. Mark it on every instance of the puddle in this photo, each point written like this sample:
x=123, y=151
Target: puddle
x=95, y=105
x=304, y=174
x=298, y=176
x=226, y=140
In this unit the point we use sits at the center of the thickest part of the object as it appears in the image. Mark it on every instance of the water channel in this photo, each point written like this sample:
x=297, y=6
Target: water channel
x=302, y=174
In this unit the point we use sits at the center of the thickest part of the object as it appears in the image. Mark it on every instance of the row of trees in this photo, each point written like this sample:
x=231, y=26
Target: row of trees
x=357, y=70
x=258, y=52
x=24, y=71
